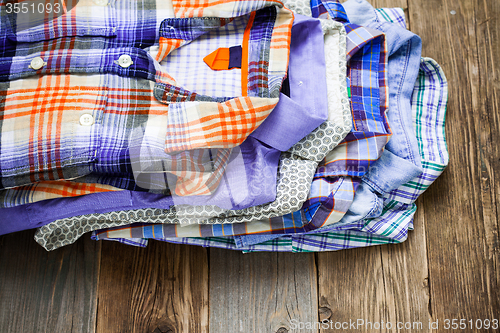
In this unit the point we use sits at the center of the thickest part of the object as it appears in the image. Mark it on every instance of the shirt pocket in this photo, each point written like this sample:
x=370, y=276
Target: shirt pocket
x=50, y=127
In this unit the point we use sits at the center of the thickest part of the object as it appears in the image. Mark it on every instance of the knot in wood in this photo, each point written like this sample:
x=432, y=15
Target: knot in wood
x=324, y=314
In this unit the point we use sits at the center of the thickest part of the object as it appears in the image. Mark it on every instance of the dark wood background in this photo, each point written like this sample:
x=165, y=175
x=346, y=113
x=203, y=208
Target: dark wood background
x=448, y=268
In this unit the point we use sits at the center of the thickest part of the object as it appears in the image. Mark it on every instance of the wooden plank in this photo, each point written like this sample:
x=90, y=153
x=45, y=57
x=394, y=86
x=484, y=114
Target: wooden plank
x=262, y=292
x=383, y=284
x=461, y=209
x=351, y=287
x=162, y=288
x=406, y=279
x=44, y=291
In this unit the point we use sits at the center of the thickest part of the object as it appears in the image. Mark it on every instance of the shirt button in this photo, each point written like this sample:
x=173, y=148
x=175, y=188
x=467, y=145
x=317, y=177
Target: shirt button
x=37, y=63
x=125, y=61
x=86, y=119
x=101, y=2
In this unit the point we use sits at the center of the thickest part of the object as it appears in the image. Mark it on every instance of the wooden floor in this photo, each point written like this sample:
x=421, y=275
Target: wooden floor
x=449, y=268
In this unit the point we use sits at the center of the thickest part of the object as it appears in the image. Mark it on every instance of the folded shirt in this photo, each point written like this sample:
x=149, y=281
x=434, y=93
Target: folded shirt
x=400, y=160
x=330, y=195
x=395, y=210
x=250, y=178
x=428, y=102
x=296, y=168
x=78, y=88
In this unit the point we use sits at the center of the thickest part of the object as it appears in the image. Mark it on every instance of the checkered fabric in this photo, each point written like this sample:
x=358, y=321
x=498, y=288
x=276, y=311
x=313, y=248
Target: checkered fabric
x=393, y=15
x=337, y=176
x=329, y=197
x=295, y=174
x=117, y=73
x=51, y=190
x=333, y=8
x=429, y=108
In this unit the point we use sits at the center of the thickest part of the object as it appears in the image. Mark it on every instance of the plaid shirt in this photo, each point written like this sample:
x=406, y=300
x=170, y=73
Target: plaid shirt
x=293, y=182
x=330, y=195
x=368, y=58
x=429, y=108
x=76, y=89
x=428, y=103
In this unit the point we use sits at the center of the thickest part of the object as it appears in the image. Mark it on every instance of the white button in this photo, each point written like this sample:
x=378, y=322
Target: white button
x=101, y=2
x=86, y=119
x=125, y=61
x=37, y=63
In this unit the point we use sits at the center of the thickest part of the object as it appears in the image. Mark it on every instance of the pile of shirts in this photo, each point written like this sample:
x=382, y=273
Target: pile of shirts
x=245, y=125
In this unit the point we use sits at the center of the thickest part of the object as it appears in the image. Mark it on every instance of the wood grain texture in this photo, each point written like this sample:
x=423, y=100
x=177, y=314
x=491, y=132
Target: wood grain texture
x=461, y=209
x=162, y=289
x=261, y=292
x=351, y=287
x=377, y=284
x=44, y=291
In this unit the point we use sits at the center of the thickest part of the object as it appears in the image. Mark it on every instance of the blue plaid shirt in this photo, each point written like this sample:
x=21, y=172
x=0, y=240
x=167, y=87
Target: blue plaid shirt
x=336, y=180
x=74, y=88
x=337, y=177
x=429, y=103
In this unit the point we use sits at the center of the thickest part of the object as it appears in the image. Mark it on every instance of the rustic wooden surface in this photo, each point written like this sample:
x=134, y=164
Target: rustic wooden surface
x=448, y=268
x=44, y=291
x=162, y=288
x=261, y=292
